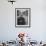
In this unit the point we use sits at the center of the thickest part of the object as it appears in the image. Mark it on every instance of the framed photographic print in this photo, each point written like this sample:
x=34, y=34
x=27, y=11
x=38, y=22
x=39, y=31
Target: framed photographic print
x=22, y=17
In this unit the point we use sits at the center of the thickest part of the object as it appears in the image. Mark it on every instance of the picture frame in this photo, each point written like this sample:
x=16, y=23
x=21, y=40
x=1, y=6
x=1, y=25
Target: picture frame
x=22, y=17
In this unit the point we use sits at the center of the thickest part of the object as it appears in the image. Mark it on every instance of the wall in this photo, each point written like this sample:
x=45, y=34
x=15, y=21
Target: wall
x=8, y=31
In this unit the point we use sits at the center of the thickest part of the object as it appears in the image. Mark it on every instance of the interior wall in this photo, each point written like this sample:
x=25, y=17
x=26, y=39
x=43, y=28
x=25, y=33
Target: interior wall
x=37, y=31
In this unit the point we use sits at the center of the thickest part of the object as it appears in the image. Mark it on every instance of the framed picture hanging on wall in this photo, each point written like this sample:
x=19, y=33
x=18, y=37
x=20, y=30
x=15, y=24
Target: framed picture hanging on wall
x=22, y=17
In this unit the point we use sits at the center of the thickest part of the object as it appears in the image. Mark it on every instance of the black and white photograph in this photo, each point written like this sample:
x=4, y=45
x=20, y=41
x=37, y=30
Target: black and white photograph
x=22, y=17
